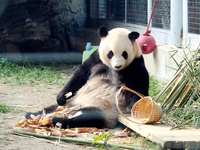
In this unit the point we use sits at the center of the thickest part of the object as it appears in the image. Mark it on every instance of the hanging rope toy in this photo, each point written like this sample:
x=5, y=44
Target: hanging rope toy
x=146, y=42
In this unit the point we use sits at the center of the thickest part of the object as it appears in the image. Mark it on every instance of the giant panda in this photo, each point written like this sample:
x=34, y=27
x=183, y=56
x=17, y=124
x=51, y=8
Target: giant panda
x=94, y=84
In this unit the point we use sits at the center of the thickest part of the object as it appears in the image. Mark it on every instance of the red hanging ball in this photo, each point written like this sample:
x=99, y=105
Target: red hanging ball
x=147, y=43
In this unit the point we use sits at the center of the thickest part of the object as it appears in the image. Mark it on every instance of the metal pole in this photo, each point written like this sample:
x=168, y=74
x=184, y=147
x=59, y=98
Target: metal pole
x=176, y=21
x=125, y=20
x=149, y=8
x=37, y=58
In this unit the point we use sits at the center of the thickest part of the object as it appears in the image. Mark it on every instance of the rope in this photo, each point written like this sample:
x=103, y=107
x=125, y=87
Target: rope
x=153, y=8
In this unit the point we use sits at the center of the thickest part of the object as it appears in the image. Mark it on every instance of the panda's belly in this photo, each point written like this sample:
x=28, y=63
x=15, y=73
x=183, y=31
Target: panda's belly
x=98, y=93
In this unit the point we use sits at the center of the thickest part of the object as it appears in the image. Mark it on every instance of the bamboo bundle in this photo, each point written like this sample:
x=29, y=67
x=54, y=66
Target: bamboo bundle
x=182, y=103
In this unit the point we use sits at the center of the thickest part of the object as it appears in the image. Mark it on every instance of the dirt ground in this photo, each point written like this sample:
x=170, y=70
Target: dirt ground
x=28, y=99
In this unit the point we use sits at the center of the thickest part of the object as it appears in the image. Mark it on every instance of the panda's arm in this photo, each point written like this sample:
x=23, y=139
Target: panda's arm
x=79, y=78
x=137, y=80
x=141, y=77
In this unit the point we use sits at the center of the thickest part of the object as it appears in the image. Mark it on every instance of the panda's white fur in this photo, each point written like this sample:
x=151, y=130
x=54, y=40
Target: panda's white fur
x=98, y=93
x=117, y=41
x=95, y=83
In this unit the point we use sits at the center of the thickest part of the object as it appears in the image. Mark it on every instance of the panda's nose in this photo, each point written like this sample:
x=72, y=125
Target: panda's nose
x=118, y=66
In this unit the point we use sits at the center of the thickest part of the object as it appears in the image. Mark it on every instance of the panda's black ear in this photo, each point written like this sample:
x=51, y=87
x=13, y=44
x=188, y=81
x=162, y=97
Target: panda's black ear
x=103, y=32
x=133, y=36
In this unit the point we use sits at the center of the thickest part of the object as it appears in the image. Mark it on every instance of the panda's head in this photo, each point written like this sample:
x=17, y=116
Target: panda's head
x=118, y=47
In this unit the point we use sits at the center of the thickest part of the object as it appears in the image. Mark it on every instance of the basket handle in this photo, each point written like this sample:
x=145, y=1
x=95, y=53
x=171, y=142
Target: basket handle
x=117, y=101
x=130, y=90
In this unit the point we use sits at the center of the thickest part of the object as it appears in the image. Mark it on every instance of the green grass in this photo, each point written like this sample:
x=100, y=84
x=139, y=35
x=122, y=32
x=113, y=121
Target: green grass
x=4, y=108
x=27, y=73
x=56, y=74
x=155, y=86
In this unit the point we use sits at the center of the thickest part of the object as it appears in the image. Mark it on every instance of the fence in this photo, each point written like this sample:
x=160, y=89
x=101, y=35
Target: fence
x=191, y=22
x=174, y=21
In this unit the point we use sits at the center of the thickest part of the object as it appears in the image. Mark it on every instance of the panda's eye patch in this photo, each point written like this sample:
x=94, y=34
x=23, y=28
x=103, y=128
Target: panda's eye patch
x=125, y=54
x=110, y=54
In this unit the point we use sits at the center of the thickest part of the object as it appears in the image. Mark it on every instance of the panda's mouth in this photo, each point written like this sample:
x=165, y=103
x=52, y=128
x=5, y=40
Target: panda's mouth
x=118, y=67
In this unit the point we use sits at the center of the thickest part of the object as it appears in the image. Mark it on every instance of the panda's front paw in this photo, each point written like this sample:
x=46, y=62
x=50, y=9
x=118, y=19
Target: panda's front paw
x=61, y=99
x=29, y=114
x=64, y=122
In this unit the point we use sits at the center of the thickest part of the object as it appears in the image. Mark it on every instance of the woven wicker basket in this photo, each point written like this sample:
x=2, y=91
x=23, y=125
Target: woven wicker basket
x=146, y=111
x=143, y=111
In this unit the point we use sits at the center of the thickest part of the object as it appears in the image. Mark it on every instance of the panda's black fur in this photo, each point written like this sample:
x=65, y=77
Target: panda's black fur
x=94, y=86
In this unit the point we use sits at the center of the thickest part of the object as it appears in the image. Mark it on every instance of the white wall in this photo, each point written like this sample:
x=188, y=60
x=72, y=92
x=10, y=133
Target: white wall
x=160, y=64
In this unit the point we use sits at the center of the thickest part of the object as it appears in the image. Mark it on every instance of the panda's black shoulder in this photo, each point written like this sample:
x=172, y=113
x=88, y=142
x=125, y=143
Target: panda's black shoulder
x=93, y=59
x=89, y=63
x=137, y=63
x=136, y=70
x=99, y=68
x=136, y=76
x=95, y=65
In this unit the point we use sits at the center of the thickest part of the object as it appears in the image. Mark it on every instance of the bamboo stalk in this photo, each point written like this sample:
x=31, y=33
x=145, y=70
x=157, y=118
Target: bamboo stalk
x=173, y=90
x=177, y=94
x=185, y=96
x=75, y=140
x=170, y=83
x=192, y=97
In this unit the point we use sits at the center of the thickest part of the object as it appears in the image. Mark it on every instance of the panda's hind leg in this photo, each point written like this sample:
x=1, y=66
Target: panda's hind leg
x=85, y=117
x=47, y=110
